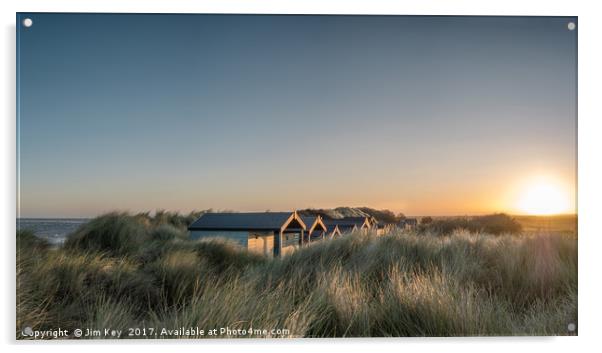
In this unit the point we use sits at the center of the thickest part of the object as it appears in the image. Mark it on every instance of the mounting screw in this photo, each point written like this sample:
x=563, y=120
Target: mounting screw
x=571, y=26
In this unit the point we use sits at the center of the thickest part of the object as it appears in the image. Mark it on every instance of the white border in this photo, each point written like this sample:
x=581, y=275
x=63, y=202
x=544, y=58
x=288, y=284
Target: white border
x=589, y=167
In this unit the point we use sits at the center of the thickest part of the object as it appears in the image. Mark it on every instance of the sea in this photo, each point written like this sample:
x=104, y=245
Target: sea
x=54, y=230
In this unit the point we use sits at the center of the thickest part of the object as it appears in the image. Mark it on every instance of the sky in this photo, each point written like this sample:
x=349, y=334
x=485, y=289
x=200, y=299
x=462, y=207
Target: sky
x=420, y=115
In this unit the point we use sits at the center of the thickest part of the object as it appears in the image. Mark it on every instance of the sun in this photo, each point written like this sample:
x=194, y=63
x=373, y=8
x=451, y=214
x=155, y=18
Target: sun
x=543, y=197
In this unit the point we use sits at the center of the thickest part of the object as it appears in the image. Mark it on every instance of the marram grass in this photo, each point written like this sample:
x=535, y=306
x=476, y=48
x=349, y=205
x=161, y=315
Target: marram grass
x=121, y=271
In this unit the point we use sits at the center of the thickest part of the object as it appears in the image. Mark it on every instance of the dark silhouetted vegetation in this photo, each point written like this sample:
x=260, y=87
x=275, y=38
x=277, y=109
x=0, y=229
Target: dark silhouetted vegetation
x=491, y=224
x=426, y=220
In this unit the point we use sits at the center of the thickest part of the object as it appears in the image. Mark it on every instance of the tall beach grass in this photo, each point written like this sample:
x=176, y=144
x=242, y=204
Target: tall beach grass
x=124, y=271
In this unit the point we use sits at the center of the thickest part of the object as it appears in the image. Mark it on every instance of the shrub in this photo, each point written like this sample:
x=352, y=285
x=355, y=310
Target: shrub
x=426, y=220
x=120, y=234
x=28, y=241
x=490, y=224
x=32, y=304
x=180, y=274
x=222, y=255
x=497, y=224
x=114, y=233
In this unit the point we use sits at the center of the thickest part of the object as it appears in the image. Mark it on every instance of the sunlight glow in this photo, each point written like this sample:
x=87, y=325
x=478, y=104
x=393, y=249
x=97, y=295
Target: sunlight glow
x=543, y=197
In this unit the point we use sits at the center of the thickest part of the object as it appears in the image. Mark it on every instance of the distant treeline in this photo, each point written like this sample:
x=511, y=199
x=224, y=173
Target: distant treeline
x=498, y=223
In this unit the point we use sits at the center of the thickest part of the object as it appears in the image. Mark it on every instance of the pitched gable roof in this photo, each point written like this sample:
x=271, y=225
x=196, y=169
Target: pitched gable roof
x=333, y=230
x=269, y=221
x=347, y=227
x=314, y=222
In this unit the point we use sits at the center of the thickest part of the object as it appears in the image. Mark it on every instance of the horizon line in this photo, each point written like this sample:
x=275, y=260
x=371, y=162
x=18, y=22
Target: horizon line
x=269, y=211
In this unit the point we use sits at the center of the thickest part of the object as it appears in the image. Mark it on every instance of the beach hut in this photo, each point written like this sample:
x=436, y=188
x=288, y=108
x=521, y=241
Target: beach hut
x=384, y=228
x=262, y=232
x=362, y=223
x=316, y=229
x=333, y=231
x=349, y=224
x=347, y=228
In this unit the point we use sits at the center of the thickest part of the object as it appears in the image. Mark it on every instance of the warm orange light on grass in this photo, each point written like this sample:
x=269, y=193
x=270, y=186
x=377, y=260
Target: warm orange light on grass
x=543, y=197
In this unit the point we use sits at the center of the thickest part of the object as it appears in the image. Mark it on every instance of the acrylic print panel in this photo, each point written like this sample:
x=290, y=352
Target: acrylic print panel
x=285, y=176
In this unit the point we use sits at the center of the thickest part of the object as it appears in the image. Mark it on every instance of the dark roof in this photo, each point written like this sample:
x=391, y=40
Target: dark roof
x=387, y=224
x=352, y=221
x=346, y=227
x=309, y=220
x=243, y=221
x=332, y=228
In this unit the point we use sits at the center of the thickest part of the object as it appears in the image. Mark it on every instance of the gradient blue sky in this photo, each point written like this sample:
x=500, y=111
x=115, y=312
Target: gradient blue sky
x=423, y=115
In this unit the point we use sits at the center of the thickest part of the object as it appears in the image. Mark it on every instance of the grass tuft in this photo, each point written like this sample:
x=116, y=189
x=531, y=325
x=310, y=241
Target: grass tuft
x=123, y=270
